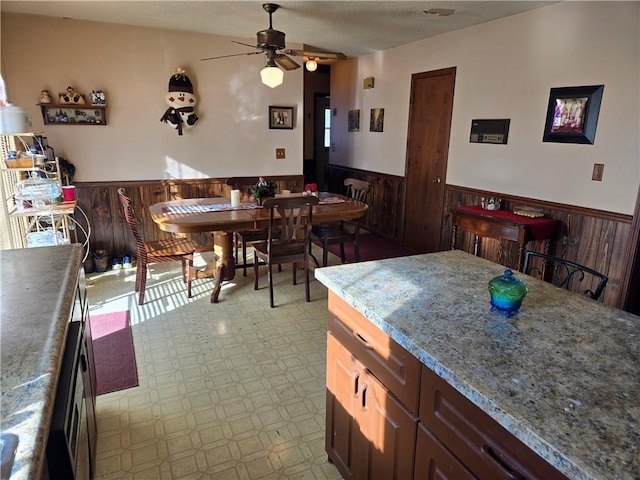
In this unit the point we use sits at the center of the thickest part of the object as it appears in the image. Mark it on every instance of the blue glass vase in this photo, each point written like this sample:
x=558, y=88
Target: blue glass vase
x=507, y=293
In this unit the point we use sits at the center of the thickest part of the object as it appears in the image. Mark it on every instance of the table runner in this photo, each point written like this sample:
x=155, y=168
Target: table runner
x=541, y=227
x=223, y=207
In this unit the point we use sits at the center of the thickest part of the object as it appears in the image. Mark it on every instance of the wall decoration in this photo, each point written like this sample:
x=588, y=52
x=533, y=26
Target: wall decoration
x=98, y=97
x=572, y=114
x=71, y=97
x=376, y=123
x=354, y=121
x=45, y=97
x=181, y=100
x=281, y=117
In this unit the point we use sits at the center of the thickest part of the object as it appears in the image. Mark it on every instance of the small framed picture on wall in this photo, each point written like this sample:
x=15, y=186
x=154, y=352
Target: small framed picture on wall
x=281, y=117
x=376, y=123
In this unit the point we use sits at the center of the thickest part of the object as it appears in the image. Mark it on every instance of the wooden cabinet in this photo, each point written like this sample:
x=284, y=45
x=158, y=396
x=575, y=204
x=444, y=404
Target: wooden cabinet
x=391, y=417
x=54, y=114
x=71, y=446
x=372, y=399
x=434, y=461
x=370, y=434
x=487, y=449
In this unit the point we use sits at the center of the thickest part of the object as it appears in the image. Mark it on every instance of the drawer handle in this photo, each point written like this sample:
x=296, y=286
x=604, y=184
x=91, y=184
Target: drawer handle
x=501, y=460
x=362, y=340
x=364, y=397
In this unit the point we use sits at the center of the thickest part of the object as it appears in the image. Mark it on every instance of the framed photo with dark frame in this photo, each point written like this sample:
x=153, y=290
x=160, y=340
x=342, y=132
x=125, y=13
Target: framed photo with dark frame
x=572, y=114
x=354, y=121
x=281, y=117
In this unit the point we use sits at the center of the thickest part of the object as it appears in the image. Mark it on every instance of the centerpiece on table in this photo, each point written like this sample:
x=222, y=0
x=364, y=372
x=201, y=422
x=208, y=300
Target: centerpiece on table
x=264, y=189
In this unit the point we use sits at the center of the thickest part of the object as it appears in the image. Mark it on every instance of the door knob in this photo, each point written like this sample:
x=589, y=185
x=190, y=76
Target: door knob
x=437, y=180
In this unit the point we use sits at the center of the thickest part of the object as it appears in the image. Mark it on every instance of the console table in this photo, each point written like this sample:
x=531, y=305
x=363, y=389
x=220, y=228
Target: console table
x=502, y=225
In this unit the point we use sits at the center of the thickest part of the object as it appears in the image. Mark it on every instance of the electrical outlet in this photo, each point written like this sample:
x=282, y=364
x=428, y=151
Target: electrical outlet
x=598, y=169
x=280, y=153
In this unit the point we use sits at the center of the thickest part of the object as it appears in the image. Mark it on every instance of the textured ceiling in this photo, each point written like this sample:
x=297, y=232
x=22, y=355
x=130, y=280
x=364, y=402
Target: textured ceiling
x=354, y=28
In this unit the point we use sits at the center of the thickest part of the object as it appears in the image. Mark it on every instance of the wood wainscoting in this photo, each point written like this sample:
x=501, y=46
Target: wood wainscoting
x=590, y=237
x=594, y=238
x=109, y=231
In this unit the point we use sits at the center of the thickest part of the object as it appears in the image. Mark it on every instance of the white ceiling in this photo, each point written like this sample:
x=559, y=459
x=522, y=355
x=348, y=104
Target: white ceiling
x=354, y=28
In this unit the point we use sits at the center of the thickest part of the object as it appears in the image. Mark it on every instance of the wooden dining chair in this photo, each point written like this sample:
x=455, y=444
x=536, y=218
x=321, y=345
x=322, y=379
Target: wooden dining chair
x=345, y=231
x=565, y=274
x=157, y=251
x=242, y=238
x=288, y=238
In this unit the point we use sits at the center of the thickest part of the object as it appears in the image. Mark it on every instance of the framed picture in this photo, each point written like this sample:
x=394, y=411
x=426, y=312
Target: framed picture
x=281, y=117
x=376, y=123
x=354, y=120
x=572, y=114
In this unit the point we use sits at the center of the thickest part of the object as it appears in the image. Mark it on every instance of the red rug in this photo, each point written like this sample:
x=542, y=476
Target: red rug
x=113, y=352
x=372, y=247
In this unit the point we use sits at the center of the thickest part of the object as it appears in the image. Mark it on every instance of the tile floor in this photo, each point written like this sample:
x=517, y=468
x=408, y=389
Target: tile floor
x=234, y=390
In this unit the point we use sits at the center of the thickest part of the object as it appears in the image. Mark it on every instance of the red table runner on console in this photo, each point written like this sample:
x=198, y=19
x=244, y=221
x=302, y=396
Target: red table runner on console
x=541, y=228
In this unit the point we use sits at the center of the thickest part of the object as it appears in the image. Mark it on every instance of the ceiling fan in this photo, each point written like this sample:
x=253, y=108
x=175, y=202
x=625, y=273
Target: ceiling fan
x=271, y=42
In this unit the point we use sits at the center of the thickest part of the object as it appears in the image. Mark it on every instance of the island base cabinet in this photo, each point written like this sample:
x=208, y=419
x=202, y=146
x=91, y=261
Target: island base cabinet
x=370, y=435
x=487, y=449
x=434, y=462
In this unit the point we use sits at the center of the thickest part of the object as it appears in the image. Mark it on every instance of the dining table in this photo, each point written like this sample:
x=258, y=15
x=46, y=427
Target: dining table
x=219, y=217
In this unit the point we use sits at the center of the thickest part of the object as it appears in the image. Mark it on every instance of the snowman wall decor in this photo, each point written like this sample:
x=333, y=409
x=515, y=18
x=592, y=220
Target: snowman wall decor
x=181, y=101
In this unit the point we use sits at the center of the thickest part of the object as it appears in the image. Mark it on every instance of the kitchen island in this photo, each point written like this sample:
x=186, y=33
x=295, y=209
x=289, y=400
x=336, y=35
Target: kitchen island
x=562, y=375
x=40, y=295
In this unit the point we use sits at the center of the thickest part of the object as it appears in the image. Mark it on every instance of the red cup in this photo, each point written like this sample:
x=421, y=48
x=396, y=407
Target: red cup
x=69, y=193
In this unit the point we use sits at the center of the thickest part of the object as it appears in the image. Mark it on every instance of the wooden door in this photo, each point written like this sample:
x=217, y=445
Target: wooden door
x=426, y=165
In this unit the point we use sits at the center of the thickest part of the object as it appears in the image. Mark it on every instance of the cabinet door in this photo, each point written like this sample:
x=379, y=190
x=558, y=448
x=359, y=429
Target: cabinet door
x=389, y=432
x=370, y=434
x=434, y=462
x=342, y=432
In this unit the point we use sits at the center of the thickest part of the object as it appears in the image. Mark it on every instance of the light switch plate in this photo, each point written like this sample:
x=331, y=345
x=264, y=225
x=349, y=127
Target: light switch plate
x=598, y=169
x=280, y=153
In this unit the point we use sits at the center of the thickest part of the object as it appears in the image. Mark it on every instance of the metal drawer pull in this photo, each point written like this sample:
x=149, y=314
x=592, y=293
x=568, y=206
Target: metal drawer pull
x=362, y=340
x=501, y=460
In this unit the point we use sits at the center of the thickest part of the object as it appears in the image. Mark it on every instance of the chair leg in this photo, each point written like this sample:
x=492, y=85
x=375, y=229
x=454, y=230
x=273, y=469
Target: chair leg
x=255, y=271
x=306, y=280
x=271, y=285
x=295, y=269
x=342, y=259
x=142, y=283
x=356, y=249
x=325, y=253
x=184, y=270
x=189, y=276
x=244, y=258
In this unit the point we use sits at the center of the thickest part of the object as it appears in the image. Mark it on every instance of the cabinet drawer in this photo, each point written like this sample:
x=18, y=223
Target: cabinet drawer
x=487, y=449
x=397, y=369
x=434, y=462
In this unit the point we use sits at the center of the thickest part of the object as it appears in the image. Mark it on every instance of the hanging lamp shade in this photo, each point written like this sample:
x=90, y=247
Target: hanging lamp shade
x=311, y=65
x=271, y=75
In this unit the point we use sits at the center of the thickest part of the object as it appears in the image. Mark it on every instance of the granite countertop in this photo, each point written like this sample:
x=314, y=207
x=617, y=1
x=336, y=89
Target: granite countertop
x=37, y=292
x=563, y=375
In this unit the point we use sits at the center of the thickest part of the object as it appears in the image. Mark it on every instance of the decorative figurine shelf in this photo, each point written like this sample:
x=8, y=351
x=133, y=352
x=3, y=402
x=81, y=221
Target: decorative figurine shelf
x=56, y=114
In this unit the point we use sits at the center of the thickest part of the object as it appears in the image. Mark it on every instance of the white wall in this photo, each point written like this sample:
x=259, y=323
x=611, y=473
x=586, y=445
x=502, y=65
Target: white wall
x=505, y=70
x=133, y=65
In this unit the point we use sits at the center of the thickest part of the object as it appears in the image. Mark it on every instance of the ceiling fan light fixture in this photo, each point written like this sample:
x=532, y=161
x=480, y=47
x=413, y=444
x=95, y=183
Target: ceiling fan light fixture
x=311, y=65
x=271, y=75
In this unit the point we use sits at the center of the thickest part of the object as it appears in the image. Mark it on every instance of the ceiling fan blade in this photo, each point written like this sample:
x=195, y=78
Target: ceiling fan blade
x=286, y=62
x=232, y=55
x=318, y=55
x=245, y=44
